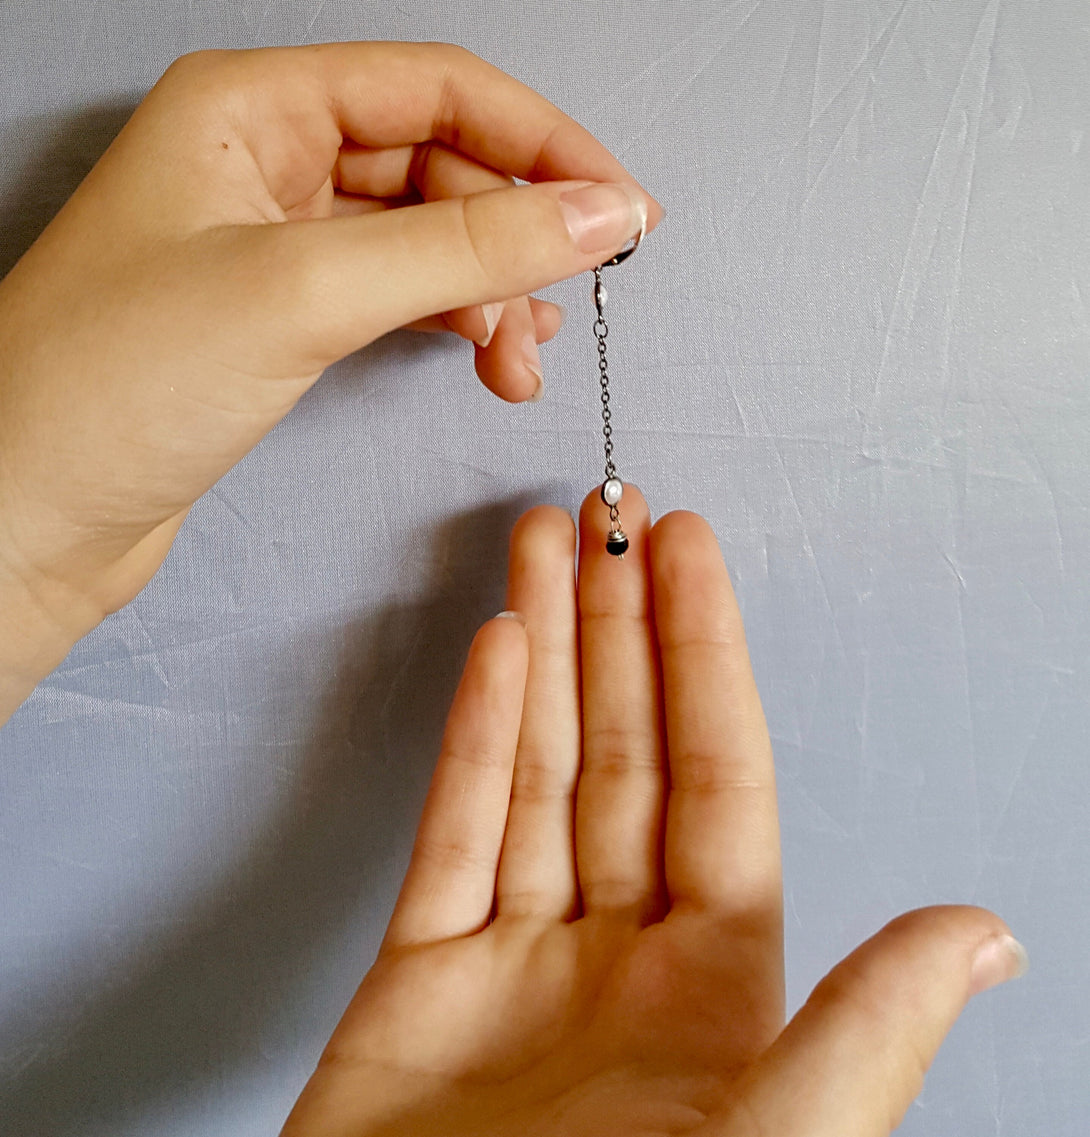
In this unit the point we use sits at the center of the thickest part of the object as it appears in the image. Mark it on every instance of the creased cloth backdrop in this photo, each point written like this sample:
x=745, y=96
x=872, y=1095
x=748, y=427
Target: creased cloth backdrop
x=859, y=344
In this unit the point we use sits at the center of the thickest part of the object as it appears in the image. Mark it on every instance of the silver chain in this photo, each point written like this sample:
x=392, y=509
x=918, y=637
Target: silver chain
x=601, y=331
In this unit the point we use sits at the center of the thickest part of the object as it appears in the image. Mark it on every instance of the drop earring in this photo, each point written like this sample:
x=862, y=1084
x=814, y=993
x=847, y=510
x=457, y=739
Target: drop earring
x=612, y=487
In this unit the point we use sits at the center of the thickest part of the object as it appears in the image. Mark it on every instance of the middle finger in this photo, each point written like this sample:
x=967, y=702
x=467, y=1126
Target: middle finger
x=621, y=793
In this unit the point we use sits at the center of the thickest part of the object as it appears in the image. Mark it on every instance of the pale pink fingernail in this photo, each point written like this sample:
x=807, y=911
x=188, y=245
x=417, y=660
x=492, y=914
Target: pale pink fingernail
x=601, y=218
x=997, y=961
x=531, y=358
x=492, y=314
x=512, y=616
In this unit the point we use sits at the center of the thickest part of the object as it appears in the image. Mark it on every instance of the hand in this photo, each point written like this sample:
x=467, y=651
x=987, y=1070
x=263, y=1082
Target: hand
x=589, y=939
x=263, y=214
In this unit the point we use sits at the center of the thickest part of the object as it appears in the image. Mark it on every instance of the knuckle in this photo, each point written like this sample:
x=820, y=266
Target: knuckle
x=196, y=66
x=618, y=755
x=293, y=266
x=202, y=79
x=451, y=855
x=454, y=54
x=473, y=239
x=536, y=779
x=615, y=893
x=843, y=989
x=702, y=772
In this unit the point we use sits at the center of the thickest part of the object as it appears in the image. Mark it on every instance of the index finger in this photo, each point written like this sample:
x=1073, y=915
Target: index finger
x=385, y=95
x=446, y=93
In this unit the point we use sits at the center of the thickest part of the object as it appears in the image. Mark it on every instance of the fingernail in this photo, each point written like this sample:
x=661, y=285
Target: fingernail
x=997, y=961
x=601, y=218
x=492, y=314
x=531, y=357
x=512, y=616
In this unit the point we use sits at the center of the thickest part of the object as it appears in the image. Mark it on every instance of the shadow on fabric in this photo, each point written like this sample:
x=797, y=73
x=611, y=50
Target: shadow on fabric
x=63, y=151
x=207, y=1001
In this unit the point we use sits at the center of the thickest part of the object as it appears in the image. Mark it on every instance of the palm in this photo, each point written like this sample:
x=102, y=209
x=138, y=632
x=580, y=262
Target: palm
x=582, y=1015
x=604, y=963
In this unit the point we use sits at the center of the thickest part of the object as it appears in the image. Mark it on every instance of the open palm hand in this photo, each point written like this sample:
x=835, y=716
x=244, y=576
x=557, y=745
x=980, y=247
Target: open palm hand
x=589, y=939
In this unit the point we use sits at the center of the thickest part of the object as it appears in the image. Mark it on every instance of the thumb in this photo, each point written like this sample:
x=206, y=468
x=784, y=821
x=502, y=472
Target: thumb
x=344, y=281
x=853, y=1059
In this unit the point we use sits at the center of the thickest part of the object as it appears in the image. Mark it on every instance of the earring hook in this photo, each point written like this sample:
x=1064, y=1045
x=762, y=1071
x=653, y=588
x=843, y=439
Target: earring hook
x=624, y=254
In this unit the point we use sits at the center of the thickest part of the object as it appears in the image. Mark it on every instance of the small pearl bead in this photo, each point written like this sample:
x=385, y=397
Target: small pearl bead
x=612, y=489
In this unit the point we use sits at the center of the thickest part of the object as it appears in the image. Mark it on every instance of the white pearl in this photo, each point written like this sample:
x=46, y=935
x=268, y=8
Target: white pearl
x=612, y=490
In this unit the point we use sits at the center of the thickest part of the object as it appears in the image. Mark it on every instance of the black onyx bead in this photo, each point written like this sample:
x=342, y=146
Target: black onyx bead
x=617, y=544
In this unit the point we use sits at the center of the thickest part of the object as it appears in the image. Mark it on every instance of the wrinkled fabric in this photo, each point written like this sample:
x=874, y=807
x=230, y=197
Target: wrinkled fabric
x=858, y=344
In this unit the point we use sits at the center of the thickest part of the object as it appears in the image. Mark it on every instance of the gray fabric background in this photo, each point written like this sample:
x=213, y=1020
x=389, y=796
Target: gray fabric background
x=859, y=344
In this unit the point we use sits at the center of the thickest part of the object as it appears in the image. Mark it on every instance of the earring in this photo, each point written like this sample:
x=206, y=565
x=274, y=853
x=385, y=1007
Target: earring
x=612, y=487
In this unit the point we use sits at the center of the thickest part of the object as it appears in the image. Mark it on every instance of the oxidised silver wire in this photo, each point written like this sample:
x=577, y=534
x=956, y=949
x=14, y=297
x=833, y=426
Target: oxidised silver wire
x=624, y=254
